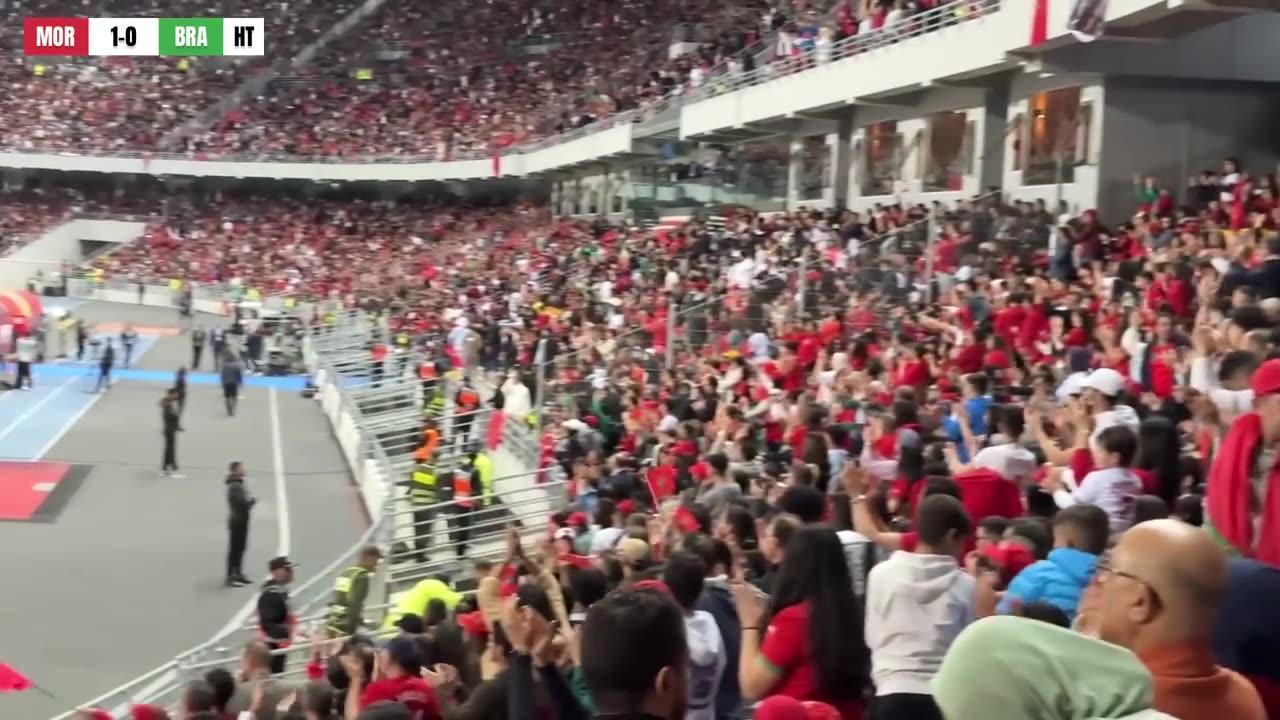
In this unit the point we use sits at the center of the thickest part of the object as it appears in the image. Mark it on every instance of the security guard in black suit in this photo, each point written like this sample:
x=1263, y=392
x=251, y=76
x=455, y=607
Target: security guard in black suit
x=275, y=621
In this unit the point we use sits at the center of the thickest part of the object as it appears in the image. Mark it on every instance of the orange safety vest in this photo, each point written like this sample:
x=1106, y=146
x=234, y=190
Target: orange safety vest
x=462, y=490
x=430, y=441
x=468, y=398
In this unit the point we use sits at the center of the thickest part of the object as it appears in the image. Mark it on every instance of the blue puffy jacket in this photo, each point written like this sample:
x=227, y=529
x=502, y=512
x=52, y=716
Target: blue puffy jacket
x=1058, y=580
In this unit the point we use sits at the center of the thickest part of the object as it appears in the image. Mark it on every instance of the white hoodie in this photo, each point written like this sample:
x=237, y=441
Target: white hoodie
x=1118, y=415
x=706, y=664
x=515, y=399
x=916, y=606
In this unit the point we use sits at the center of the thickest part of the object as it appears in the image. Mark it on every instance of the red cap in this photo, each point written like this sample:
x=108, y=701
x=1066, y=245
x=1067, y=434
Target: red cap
x=1267, y=379
x=473, y=623
x=783, y=707
x=1011, y=557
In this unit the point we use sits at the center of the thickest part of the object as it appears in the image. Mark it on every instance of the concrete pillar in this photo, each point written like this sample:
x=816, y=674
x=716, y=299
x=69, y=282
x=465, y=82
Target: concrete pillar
x=605, y=191
x=795, y=148
x=995, y=126
x=624, y=191
x=842, y=160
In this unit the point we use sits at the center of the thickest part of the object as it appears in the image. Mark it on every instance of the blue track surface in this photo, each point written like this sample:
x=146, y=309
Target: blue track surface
x=57, y=373
x=31, y=422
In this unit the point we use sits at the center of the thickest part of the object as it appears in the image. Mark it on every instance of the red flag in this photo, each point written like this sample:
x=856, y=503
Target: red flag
x=1040, y=23
x=494, y=437
x=13, y=681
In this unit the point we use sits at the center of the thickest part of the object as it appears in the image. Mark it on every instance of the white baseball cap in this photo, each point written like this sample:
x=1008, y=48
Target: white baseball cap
x=1106, y=381
x=1072, y=385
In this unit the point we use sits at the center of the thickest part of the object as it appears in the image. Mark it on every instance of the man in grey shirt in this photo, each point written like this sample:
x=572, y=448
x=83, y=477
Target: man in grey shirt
x=255, y=670
x=718, y=490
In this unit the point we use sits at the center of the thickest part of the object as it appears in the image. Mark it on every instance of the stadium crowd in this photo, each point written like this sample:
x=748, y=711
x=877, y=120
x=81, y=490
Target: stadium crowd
x=133, y=103
x=28, y=210
x=24, y=214
x=456, y=81
x=454, y=84
x=1034, y=485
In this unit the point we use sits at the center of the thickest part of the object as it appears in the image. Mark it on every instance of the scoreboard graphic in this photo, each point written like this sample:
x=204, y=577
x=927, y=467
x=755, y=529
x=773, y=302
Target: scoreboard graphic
x=165, y=37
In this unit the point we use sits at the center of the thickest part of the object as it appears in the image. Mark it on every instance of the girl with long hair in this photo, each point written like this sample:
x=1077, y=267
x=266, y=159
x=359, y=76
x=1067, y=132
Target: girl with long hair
x=1159, y=461
x=806, y=642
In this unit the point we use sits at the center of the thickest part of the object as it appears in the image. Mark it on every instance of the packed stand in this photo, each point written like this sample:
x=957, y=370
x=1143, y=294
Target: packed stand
x=1081, y=438
x=134, y=103
x=457, y=81
x=25, y=214
x=27, y=211
x=452, y=79
x=1036, y=485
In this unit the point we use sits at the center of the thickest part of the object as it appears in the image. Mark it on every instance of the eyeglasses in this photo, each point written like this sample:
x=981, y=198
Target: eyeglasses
x=1104, y=569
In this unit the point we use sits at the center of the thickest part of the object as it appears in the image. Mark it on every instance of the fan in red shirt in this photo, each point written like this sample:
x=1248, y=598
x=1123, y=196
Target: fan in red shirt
x=812, y=647
x=396, y=680
x=913, y=371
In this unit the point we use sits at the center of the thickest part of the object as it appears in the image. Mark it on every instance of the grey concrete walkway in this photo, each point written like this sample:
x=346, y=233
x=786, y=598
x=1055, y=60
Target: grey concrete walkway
x=130, y=573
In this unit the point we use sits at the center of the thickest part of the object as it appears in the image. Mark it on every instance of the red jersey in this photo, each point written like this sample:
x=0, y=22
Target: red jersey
x=786, y=648
x=412, y=692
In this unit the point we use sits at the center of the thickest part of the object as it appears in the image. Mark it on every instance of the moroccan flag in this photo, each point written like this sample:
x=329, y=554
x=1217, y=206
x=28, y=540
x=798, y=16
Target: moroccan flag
x=1039, y=23
x=13, y=681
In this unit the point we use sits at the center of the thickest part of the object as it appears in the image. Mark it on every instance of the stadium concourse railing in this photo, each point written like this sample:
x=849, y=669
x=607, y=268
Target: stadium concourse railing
x=948, y=14
x=373, y=420
x=211, y=298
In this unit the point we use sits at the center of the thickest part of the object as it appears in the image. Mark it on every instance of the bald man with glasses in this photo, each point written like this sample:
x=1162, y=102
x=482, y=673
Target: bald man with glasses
x=1158, y=593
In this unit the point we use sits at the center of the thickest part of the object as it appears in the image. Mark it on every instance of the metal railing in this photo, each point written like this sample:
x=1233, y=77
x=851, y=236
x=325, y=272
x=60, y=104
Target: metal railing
x=947, y=15
x=336, y=353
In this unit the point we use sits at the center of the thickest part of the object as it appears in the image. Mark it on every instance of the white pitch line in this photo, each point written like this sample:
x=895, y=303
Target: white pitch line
x=70, y=423
x=283, y=542
x=283, y=526
x=147, y=342
x=17, y=422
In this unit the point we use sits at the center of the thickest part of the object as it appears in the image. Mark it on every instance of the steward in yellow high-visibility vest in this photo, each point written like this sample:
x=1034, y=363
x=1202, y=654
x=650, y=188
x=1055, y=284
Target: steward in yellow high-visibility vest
x=423, y=490
x=415, y=601
x=423, y=495
x=350, y=590
x=484, y=469
x=434, y=407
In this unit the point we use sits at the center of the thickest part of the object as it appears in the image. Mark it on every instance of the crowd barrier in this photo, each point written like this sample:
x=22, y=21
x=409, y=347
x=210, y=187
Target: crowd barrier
x=370, y=422
x=208, y=298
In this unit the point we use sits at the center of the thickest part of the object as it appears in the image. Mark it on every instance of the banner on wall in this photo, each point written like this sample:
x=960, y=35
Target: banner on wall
x=1088, y=19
